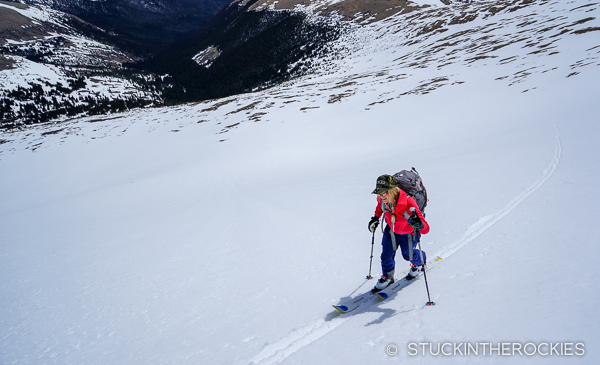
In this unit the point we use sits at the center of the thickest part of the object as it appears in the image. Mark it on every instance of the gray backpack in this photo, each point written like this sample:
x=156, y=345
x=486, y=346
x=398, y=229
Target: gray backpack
x=412, y=184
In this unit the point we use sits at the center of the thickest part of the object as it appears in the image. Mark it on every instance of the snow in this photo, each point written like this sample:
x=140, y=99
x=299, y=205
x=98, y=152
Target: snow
x=427, y=2
x=28, y=71
x=207, y=56
x=35, y=13
x=223, y=231
x=75, y=50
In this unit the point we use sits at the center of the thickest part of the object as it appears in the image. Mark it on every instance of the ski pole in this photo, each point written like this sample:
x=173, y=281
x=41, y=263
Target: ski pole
x=369, y=277
x=422, y=261
x=424, y=274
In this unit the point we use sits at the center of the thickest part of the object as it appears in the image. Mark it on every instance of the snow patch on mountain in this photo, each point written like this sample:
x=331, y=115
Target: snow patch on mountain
x=36, y=13
x=206, y=57
x=26, y=71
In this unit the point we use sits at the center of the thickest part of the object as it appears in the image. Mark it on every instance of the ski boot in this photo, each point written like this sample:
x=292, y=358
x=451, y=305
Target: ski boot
x=385, y=281
x=414, y=271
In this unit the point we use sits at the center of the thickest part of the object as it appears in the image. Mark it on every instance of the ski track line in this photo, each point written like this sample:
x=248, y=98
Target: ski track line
x=276, y=352
x=295, y=340
x=477, y=228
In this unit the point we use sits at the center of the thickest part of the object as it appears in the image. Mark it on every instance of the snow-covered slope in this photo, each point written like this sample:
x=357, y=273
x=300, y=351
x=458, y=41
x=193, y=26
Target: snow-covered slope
x=223, y=231
x=48, y=34
x=51, y=67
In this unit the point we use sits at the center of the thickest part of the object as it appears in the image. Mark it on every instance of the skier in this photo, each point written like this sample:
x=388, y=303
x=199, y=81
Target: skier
x=407, y=222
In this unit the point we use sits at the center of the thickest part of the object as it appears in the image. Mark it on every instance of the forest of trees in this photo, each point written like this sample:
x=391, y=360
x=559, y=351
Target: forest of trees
x=34, y=104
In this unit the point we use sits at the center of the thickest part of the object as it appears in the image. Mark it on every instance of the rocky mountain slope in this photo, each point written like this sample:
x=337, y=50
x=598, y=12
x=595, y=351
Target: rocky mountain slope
x=249, y=45
x=146, y=25
x=53, y=64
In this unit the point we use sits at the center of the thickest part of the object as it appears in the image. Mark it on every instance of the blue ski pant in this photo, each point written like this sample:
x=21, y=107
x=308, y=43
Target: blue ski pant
x=388, y=254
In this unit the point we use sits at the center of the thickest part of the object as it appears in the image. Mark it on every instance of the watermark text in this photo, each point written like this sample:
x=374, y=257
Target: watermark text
x=491, y=349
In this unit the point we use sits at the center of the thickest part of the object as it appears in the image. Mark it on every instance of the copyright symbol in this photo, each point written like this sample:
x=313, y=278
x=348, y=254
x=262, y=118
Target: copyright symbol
x=391, y=349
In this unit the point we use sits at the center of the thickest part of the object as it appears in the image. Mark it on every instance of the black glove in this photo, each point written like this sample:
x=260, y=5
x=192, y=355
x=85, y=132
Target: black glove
x=373, y=224
x=415, y=222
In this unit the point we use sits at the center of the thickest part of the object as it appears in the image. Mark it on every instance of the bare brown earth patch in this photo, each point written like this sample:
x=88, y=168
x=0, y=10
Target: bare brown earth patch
x=6, y=63
x=15, y=26
x=373, y=10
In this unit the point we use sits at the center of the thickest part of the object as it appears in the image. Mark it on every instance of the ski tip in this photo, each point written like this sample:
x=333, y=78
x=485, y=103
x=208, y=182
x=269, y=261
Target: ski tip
x=438, y=258
x=382, y=295
x=341, y=308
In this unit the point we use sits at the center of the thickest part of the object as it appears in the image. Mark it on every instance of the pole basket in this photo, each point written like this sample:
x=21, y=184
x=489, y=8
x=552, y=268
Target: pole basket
x=430, y=304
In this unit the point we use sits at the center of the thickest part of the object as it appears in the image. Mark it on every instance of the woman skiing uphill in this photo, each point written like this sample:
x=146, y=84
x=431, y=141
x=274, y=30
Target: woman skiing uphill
x=407, y=224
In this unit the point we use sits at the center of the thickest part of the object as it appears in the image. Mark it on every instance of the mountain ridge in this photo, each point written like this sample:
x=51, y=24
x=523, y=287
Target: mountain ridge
x=248, y=46
x=145, y=24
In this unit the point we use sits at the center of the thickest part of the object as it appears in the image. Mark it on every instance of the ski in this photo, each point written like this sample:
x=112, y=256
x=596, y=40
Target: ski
x=382, y=295
x=404, y=282
x=370, y=298
x=355, y=303
x=341, y=308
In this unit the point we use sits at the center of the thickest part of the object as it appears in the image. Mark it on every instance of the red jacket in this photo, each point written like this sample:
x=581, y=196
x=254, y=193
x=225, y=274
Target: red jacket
x=400, y=225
